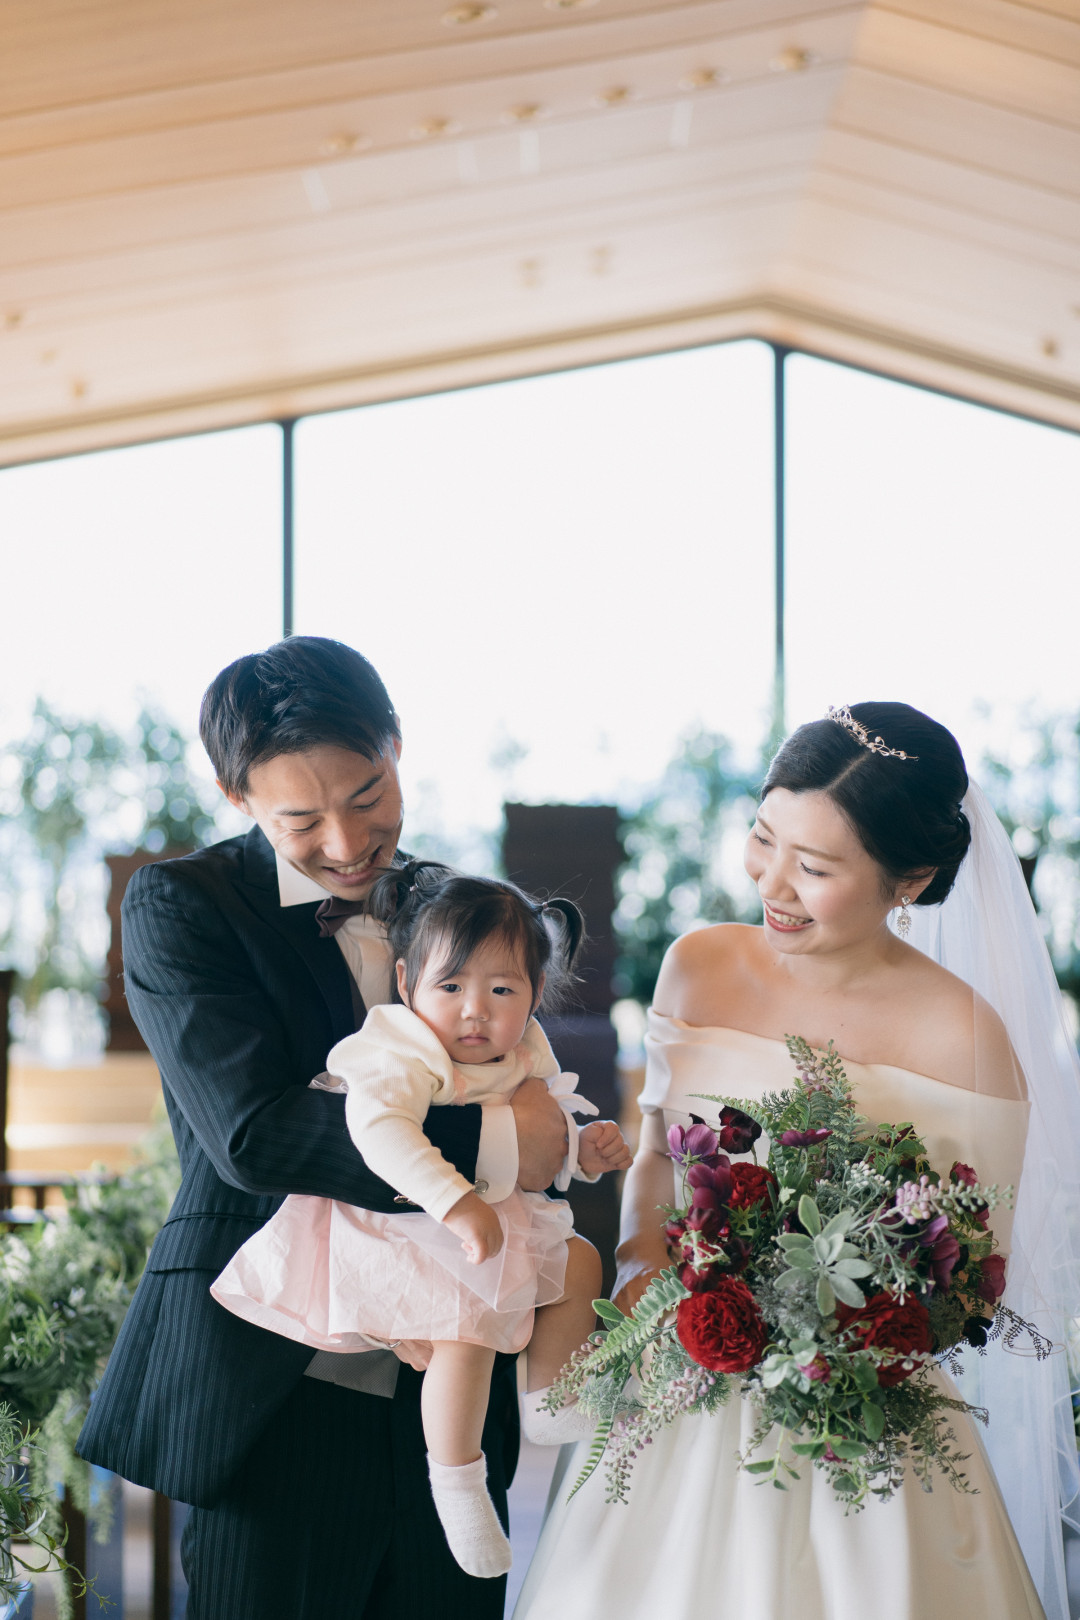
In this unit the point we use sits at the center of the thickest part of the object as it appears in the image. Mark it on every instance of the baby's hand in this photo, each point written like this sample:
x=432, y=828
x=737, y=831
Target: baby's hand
x=477, y=1225
x=601, y=1148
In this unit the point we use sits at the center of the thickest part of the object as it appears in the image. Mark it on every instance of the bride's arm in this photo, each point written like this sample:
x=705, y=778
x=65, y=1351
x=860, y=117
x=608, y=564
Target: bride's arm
x=642, y=1251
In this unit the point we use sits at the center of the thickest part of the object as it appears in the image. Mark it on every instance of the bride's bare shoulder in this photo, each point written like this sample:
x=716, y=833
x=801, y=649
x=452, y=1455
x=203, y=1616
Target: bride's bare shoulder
x=702, y=970
x=970, y=1045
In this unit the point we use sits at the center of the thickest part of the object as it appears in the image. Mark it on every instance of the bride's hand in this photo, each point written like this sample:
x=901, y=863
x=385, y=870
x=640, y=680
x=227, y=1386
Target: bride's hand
x=631, y=1281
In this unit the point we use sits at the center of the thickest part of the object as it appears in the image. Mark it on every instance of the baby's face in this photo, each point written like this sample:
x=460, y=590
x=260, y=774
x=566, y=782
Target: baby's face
x=479, y=1013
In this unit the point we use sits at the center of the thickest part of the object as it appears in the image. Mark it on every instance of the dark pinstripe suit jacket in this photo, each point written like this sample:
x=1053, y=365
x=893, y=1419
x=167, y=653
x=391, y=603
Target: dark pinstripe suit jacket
x=239, y=1001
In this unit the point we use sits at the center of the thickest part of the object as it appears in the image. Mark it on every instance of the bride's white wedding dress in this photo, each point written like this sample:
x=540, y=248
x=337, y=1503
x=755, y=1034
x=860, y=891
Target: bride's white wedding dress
x=699, y=1536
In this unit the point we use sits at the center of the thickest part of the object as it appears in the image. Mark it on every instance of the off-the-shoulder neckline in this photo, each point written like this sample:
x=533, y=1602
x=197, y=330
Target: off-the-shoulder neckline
x=849, y=1063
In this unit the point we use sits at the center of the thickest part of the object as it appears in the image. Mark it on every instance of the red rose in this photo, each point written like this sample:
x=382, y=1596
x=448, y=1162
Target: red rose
x=749, y=1185
x=991, y=1284
x=723, y=1330
x=888, y=1325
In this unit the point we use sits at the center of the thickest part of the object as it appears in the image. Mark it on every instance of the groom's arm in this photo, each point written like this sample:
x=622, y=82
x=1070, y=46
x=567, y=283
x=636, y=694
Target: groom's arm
x=224, y=1054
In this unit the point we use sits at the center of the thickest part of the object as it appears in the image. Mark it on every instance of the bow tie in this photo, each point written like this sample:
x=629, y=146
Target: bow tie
x=333, y=914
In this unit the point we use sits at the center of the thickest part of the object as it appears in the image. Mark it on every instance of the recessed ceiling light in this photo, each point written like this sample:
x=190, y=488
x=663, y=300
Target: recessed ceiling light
x=569, y=5
x=794, y=59
x=524, y=112
x=79, y=388
x=13, y=319
x=431, y=129
x=344, y=144
x=703, y=78
x=1050, y=347
x=461, y=16
x=615, y=96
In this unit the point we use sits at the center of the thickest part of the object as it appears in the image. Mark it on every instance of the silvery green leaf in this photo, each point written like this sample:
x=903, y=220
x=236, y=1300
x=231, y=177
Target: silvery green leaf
x=794, y=1240
x=809, y=1215
x=790, y=1279
x=802, y=1259
x=839, y=1223
x=826, y=1299
x=845, y=1289
x=853, y=1268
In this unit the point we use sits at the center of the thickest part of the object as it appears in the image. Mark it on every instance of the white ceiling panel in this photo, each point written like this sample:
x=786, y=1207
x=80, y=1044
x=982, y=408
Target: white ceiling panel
x=223, y=210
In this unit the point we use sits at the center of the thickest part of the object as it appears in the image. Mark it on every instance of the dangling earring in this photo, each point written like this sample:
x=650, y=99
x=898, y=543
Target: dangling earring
x=903, y=922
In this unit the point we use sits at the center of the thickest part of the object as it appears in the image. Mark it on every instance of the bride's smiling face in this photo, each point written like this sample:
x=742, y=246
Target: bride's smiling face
x=820, y=889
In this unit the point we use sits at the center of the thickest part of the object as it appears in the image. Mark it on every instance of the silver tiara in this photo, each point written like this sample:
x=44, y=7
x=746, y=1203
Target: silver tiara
x=876, y=745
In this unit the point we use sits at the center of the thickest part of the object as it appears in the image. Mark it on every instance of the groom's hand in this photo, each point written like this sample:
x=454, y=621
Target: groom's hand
x=541, y=1135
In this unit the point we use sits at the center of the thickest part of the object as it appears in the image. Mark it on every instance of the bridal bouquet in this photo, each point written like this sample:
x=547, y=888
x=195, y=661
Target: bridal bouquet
x=821, y=1285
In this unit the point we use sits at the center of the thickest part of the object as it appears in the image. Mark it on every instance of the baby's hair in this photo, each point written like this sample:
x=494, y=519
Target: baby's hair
x=430, y=908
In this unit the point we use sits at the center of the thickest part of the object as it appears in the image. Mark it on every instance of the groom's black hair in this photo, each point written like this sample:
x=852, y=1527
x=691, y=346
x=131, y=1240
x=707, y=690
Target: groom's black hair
x=298, y=694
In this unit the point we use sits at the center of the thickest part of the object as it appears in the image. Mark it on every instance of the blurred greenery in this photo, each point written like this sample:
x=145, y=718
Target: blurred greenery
x=684, y=843
x=70, y=791
x=684, y=857
x=65, y=1286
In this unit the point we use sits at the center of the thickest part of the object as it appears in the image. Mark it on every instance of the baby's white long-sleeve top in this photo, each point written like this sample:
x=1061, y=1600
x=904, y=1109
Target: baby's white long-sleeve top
x=394, y=1069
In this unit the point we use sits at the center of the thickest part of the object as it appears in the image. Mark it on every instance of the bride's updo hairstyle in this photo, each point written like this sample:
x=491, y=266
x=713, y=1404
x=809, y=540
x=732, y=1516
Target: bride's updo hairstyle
x=906, y=812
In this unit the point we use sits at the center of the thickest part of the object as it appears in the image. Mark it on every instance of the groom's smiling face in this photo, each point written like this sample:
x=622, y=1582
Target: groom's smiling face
x=332, y=814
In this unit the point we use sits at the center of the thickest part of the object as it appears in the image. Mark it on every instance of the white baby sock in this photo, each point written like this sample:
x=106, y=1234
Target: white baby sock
x=546, y=1428
x=467, y=1514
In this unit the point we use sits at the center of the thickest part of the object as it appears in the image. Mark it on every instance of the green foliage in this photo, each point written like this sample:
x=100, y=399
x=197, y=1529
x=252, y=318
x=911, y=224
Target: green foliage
x=26, y=1519
x=179, y=808
x=1036, y=793
x=675, y=874
x=65, y=1286
x=69, y=790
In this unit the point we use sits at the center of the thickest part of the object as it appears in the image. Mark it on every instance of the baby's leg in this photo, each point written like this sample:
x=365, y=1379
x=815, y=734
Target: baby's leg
x=561, y=1328
x=565, y=1325
x=453, y=1403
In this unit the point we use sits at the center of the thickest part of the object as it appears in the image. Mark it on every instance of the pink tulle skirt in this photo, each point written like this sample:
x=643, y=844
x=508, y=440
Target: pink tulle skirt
x=342, y=1278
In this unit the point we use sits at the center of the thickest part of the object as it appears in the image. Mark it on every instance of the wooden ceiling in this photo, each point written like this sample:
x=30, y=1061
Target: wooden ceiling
x=215, y=211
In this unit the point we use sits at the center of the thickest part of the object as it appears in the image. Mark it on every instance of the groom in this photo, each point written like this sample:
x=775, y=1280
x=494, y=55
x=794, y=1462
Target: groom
x=244, y=964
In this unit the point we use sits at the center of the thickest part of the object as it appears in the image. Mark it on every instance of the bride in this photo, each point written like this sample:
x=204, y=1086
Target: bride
x=865, y=811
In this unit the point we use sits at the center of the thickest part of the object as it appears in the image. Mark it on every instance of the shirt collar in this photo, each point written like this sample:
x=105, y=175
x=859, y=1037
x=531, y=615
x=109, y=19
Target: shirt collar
x=295, y=888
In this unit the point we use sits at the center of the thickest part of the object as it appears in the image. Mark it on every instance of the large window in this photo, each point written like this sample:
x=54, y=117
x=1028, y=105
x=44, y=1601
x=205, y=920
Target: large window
x=136, y=572
x=556, y=577
x=933, y=554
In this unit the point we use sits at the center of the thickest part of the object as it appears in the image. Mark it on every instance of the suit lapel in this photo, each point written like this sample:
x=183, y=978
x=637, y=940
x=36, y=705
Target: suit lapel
x=297, y=926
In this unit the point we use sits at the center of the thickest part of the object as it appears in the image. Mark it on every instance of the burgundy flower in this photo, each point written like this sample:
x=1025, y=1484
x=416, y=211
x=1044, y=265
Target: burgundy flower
x=738, y=1132
x=803, y=1138
x=723, y=1329
x=884, y=1322
x=714, y=1179
x=750, y=1185
x=819, y=1371
x=963, y=1173
x=696, y=1143
x=991, y=1284
x=943, y=1257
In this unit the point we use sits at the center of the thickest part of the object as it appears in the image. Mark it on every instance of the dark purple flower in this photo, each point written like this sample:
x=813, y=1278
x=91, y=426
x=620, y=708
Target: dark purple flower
x=819, y=1371
x=963, y=1173
x=991, y=1283
x=943, y=1257
x=709, y=1220
x=696, y=1143
x=933, y=1230
x=712, y=1178
x=738, y=1132
x=803, y=1138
